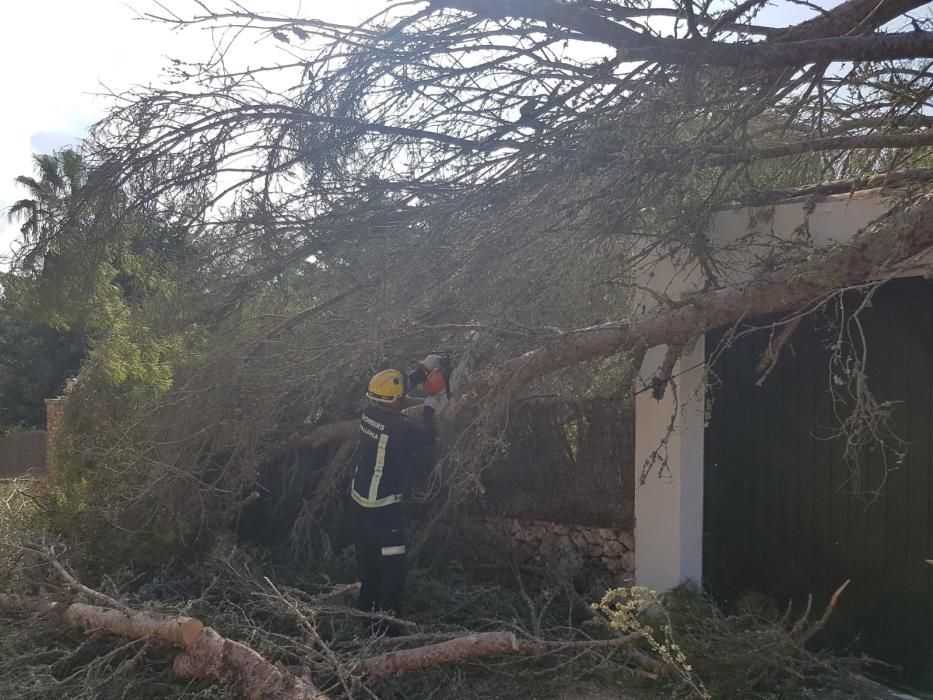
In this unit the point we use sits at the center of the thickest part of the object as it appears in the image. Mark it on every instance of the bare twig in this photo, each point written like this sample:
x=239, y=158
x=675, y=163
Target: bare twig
x=830, y=607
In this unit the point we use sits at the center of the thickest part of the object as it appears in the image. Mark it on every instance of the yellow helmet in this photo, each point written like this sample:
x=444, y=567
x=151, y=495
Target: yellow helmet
x=387, y=386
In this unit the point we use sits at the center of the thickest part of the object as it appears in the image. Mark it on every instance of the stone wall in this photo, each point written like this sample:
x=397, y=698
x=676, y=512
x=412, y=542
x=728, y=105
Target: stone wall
x=608, y=550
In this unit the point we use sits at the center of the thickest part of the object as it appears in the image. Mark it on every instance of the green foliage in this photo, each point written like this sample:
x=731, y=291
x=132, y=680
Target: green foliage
x=94, y=267
x=95, y=287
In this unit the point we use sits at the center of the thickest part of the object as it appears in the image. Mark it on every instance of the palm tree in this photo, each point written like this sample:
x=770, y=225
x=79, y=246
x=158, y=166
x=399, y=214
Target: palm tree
x=61, y=177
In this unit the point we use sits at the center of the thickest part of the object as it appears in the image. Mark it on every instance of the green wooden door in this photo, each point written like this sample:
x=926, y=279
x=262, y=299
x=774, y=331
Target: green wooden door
x=779, y=517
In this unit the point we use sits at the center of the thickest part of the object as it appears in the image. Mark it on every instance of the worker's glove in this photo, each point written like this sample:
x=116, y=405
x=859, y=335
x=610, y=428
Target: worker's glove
x=432, y=362
x=437, y=403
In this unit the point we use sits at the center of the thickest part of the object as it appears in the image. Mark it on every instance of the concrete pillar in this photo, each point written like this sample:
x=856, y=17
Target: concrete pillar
x=669, y=511
x=669, y=505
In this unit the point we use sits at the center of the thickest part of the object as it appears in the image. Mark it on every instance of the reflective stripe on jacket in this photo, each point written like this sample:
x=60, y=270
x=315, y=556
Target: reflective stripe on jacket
x=389, y=442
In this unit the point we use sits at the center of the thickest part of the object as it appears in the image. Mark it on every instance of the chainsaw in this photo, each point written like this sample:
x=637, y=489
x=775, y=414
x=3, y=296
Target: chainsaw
x=441, y=375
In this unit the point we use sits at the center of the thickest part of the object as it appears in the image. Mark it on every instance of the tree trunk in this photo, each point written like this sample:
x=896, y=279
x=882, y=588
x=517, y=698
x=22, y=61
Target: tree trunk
x=888, y=242
x=785, y=53
x=851, y=17
x=875, y=251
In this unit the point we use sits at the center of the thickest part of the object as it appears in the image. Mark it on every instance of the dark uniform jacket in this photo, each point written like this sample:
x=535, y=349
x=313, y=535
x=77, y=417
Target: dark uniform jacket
x=390, y=443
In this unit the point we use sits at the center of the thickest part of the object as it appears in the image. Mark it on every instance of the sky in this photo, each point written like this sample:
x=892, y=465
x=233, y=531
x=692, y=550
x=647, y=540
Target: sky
x=55, y=55
x=60, y=56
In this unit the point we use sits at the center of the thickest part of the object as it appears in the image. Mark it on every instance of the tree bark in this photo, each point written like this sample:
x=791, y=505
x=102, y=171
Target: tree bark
x=178, y=631
x=813, y=145
x=259, y=679
x=824, y=189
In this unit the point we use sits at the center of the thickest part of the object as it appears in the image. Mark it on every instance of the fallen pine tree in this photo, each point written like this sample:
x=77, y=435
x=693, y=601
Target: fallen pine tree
x=209, y=655
x=671, y=635
x=461, y=638
x=873, y=255
x=173, y=468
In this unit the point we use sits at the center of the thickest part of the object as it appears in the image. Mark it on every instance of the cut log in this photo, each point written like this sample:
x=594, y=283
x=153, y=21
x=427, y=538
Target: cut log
x=450, y=652
x=476, y=646
x=215, y=656
x=208, y=654
x=179, y=631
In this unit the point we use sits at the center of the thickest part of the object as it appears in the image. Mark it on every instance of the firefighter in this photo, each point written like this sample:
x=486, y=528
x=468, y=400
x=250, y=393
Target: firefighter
x=388, y=448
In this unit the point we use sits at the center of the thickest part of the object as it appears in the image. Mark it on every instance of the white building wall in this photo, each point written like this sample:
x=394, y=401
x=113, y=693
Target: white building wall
x=669, y=504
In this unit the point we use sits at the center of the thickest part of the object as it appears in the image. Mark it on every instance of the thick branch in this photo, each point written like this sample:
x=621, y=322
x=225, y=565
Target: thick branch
x=829, y=143
x=259, y=679
x=470, y=647
x=178, y=631
x=877, y=47
x=825, y=189
x=852, y=17
x=894, y=238
x=476, y=646
x=638, y=46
